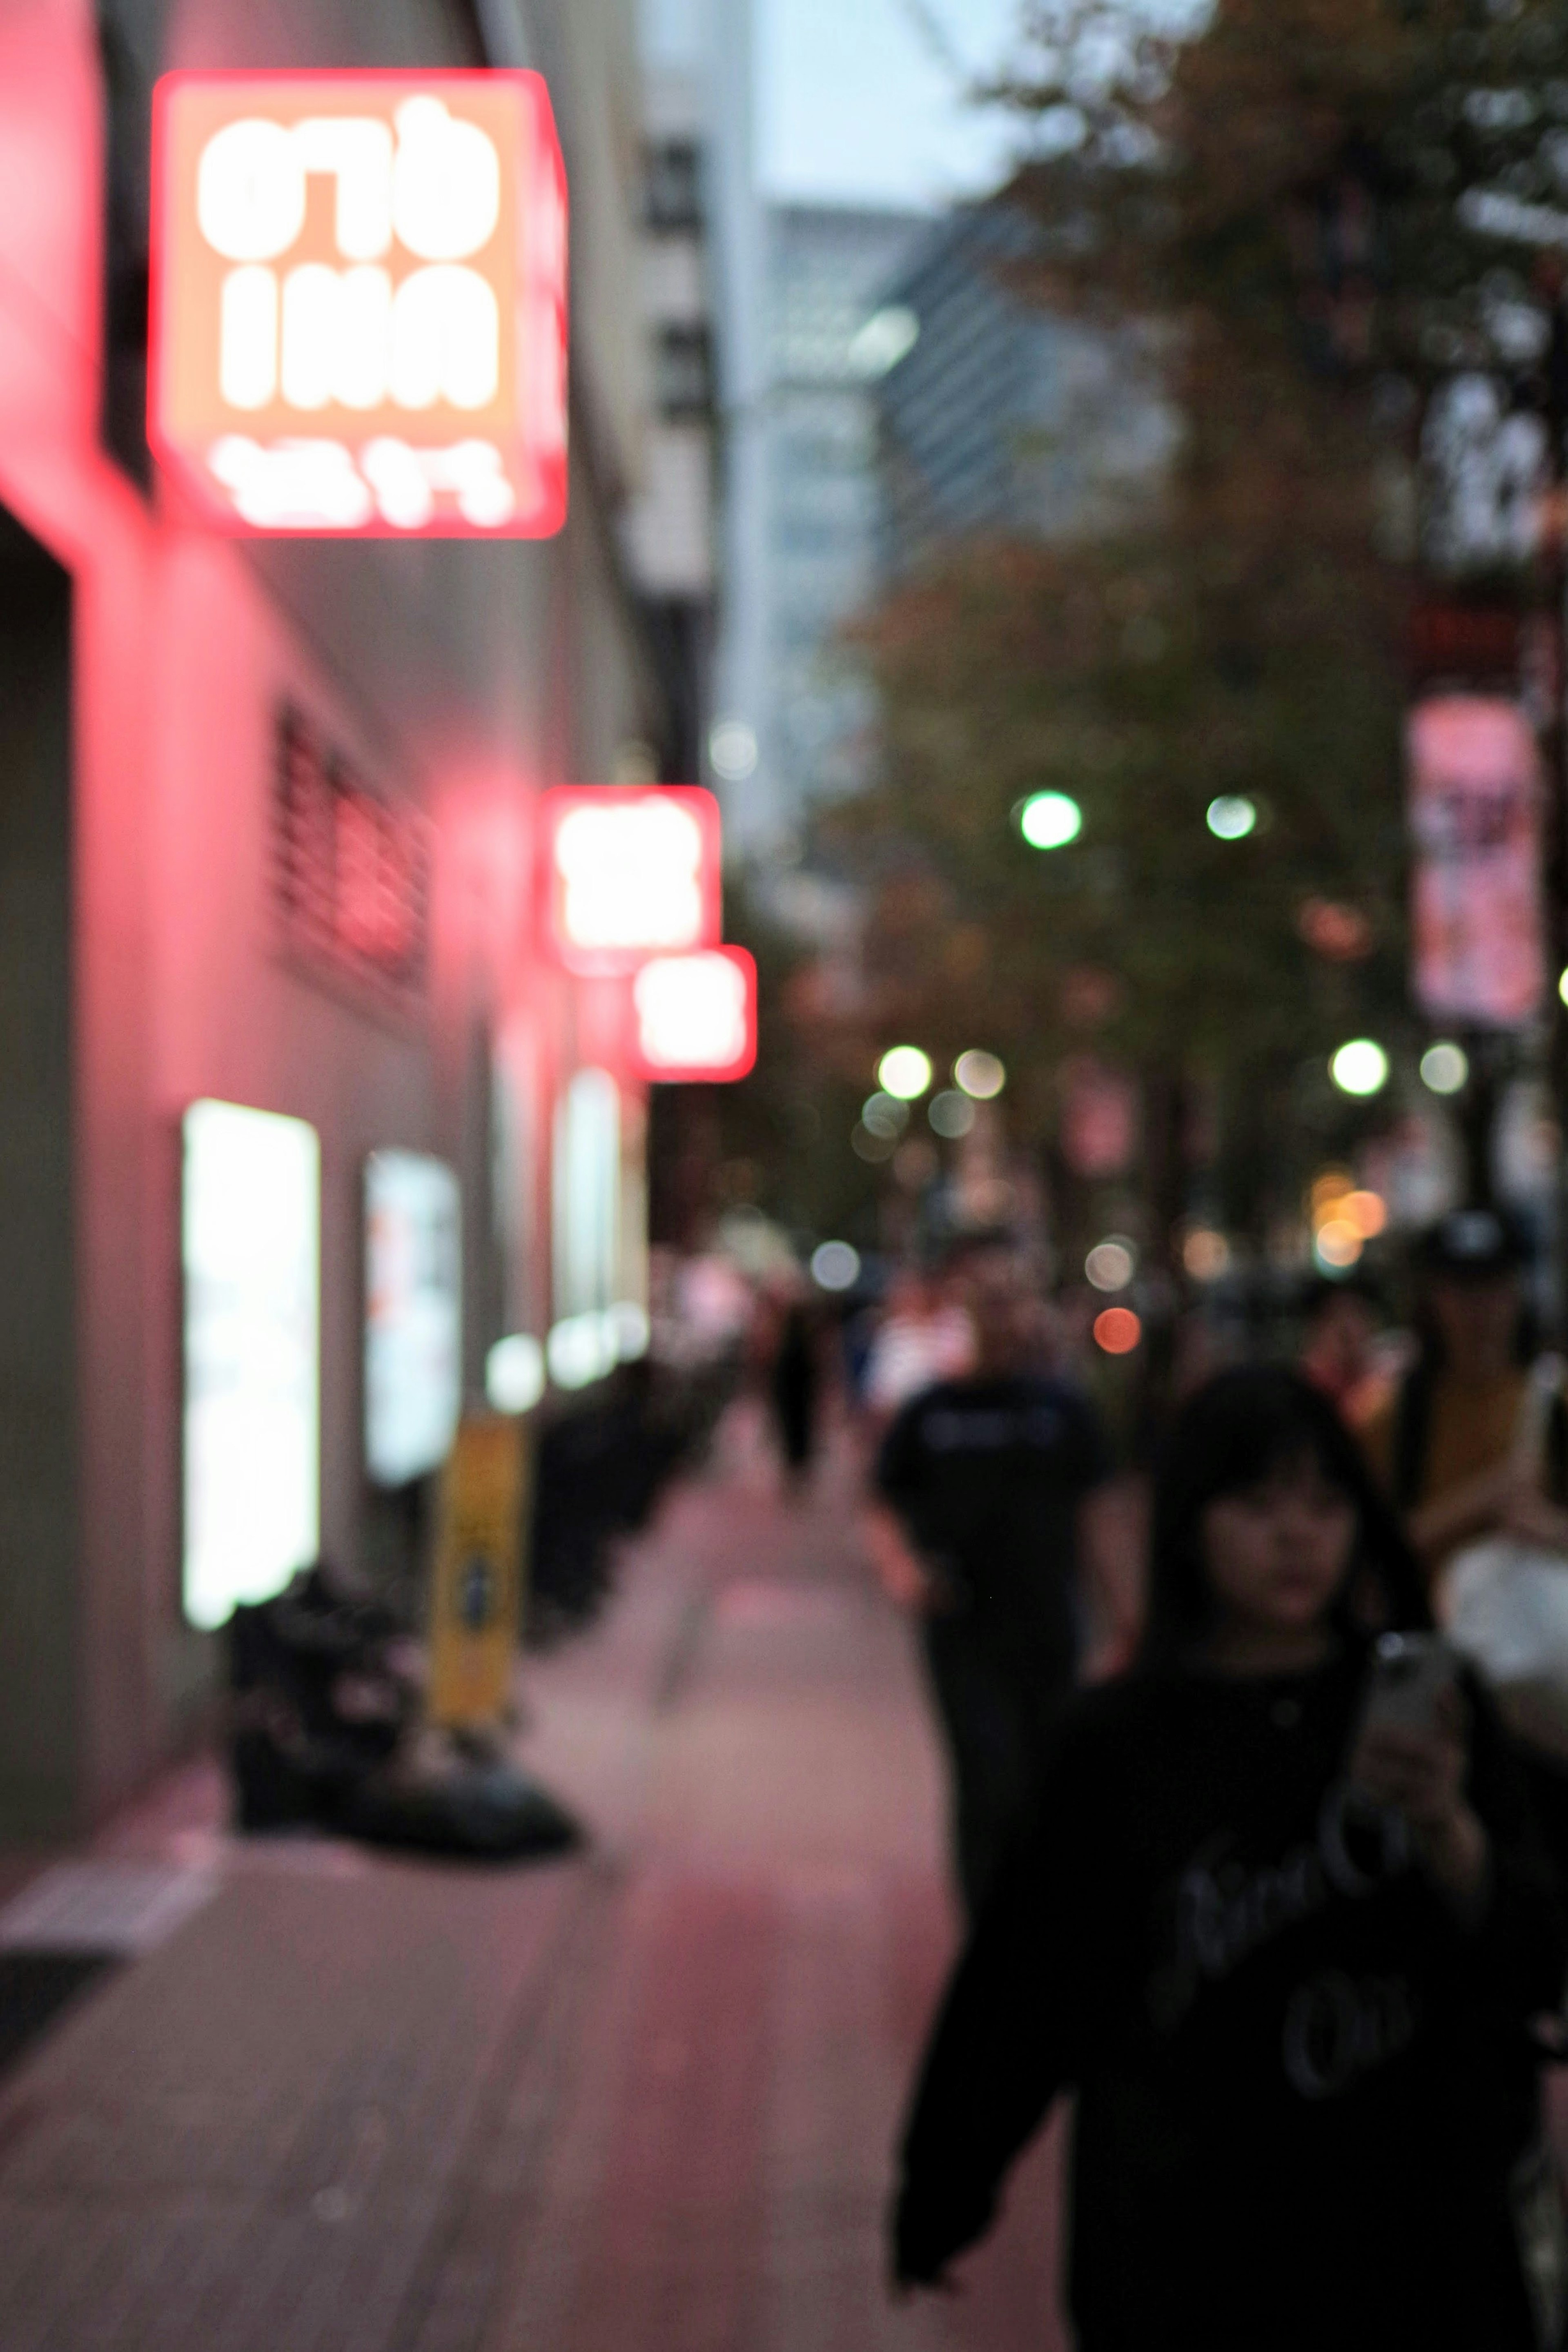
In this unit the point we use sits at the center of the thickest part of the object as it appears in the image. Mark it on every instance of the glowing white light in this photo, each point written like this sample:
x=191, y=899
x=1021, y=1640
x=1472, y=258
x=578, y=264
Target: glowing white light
x=1232, y=817
x=835, y=1267
x=950, y=1114
x=733, y=747
x=1051, y=820
x=630, y=1330
x=446, y=182
x=413, y=1314
x=1444, y=1067
x=888, y=336
x=1360, y=1067
x=586, y=1196
x=1563, y=986
x=1112, y=1263
x=980, y=1074
x=632, y=874
x=691, y=1012
x=252, y=1252
x=250, y=189
x=904, y=1072
x=581, y=1349
x=883, y=1115
x=247, y=354
x=514, y=1373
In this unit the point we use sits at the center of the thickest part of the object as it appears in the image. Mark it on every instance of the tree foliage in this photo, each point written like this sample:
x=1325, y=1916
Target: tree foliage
x=1313, y=212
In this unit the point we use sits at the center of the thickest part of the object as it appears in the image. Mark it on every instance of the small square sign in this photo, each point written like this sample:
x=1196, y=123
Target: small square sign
x=695, y=1017
x=629, y=871
x=359, y=302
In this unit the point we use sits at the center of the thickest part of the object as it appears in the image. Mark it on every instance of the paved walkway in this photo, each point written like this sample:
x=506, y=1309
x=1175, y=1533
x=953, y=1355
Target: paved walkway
x=638, y=2103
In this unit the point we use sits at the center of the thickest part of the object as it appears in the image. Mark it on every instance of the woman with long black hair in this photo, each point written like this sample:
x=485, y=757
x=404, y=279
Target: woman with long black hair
x=1287, y=1958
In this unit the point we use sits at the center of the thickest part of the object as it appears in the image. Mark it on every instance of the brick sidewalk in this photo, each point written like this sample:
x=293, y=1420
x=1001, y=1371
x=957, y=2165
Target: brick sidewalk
x=640, y=2103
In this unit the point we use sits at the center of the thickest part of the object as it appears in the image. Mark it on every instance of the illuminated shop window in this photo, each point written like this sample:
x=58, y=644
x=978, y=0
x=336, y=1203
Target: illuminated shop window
x=252, y=1252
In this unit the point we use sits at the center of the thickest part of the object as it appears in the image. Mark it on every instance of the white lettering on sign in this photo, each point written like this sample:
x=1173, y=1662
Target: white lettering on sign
x=317, y=484
x=632, y=876
x=319, y=336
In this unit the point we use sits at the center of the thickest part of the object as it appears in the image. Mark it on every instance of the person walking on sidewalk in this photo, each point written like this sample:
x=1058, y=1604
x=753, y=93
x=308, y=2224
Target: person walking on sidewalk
x=990, y=1496
x=1287, y=1956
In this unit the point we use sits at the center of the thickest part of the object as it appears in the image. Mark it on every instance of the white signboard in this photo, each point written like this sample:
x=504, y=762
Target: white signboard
x=251, y=1248
x=413, y=1314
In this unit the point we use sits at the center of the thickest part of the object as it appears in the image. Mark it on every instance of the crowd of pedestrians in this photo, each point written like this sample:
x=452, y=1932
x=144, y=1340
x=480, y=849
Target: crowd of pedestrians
x=1261, y=1868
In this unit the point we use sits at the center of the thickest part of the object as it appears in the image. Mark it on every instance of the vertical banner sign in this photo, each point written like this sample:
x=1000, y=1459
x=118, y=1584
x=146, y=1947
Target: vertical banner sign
x=476, y=1606
x=359, y=302
x=1475, y=814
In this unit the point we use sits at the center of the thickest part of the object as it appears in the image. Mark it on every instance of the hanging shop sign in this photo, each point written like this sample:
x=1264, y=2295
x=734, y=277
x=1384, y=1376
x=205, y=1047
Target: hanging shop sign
x=628, y=872
x=695, y=1017
x=1475, y=814
x=359, y=302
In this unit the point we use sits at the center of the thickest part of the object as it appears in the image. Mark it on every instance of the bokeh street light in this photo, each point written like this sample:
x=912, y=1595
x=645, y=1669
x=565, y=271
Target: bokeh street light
x=1232, y=816
x=1444, y=1067
x=835, y=1266
x=904, y=1072
x=1049, y=820
x=1360, y=1067
x=950, y=1114
x=980, y=1074
x=1112, y=1263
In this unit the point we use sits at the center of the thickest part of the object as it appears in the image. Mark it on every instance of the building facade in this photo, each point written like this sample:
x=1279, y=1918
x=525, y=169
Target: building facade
x=801, y=513
x=997, y=418
x=186, y=719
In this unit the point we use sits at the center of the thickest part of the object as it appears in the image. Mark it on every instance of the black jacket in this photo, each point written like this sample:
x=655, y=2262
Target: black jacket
x=1302, y=2082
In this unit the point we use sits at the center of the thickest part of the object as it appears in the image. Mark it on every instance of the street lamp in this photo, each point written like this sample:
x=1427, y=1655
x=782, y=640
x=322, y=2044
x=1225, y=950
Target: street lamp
x=1360, y=1067
x=1049, y=820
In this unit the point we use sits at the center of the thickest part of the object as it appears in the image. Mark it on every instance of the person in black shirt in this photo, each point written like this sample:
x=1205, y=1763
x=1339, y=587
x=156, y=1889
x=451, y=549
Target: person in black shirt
x=986, y=1486
x=1290, y=1966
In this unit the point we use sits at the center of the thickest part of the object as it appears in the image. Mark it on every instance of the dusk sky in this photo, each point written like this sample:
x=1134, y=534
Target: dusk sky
x=853, y=103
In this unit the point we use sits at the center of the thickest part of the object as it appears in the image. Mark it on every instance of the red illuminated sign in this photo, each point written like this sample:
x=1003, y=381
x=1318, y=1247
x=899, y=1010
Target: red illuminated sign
x=359, y=302
x=695, y=1016
x=629, y=871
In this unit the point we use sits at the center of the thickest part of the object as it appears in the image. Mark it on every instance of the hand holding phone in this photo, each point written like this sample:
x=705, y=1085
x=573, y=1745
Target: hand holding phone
x=1411, y=1753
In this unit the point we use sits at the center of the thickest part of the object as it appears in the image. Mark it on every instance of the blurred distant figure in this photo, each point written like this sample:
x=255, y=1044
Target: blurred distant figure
x=923, y=1336
x=987, y=1512
x=793, y=1382
x=1340, y=1351
x=1284, y=1946
x=1444, y=1443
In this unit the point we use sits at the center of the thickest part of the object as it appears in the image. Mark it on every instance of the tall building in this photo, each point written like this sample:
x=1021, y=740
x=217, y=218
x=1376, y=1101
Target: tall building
x=801, y=521
x=997, y=416
x=272, y=987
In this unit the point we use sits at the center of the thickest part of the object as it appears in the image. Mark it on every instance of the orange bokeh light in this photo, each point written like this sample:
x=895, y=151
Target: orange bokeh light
x=1118, y=1330
x=1367, y=1212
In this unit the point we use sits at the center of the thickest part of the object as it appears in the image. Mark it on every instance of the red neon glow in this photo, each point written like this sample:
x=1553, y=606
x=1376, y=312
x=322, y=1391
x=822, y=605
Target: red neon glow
x=695, y=1017
x=359, y=302
x=629, y=871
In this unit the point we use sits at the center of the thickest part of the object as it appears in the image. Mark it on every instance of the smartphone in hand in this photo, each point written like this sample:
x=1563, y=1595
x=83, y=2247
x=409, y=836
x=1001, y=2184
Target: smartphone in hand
x=1408, y=1674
